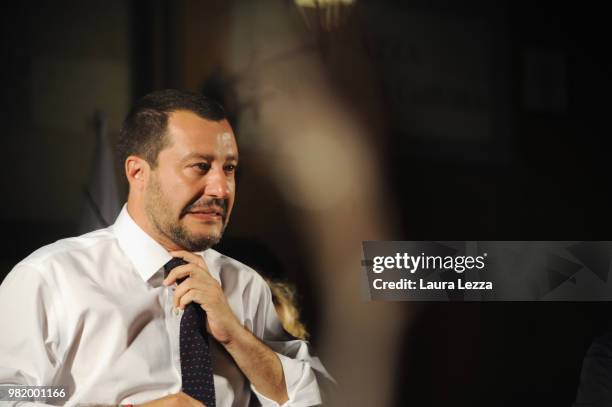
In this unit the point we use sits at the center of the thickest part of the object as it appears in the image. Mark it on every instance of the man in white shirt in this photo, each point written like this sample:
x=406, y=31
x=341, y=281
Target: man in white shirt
x=95, y=314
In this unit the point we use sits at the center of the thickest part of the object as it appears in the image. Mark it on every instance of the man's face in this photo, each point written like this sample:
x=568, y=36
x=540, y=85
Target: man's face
x=190, y=194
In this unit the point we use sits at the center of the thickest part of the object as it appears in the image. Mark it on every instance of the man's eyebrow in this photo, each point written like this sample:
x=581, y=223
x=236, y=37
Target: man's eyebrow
x=207, y=157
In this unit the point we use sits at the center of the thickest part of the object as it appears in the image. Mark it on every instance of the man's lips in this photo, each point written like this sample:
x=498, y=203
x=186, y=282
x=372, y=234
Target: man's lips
x=207, y=213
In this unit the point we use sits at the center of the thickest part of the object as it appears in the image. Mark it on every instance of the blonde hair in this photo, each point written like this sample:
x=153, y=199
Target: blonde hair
x=284, y=298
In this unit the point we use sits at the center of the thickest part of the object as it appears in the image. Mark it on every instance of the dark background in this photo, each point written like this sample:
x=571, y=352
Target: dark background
x=543, y=173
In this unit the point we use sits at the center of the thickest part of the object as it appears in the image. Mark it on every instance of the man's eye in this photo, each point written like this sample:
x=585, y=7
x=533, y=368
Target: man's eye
x=230, y=168
x=203, y=167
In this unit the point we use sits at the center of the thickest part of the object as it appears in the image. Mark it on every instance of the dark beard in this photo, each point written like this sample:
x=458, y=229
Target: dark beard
x=156, y=205
x=192, y=244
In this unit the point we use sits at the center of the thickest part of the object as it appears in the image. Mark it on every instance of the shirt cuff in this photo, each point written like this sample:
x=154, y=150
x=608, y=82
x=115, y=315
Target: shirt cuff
x=302, y=387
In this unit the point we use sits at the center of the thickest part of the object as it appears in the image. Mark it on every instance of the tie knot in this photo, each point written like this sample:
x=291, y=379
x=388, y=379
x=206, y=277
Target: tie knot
x=174, y=262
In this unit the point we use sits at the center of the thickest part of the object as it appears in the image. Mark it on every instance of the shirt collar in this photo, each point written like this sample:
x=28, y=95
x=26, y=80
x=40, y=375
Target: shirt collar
x=145, y=253
x=142, y=250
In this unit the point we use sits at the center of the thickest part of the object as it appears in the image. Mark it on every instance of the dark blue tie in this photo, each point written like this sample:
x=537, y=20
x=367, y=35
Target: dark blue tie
x=196, y=362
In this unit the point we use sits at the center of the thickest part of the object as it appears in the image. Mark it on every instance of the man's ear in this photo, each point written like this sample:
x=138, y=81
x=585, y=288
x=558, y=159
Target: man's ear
x=136, y=171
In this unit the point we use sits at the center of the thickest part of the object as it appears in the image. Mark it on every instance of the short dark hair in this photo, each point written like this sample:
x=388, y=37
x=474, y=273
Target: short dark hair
x=143, y=132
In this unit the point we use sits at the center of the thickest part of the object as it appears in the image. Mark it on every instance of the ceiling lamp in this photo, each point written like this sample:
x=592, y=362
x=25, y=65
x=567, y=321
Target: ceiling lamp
x=324, y=15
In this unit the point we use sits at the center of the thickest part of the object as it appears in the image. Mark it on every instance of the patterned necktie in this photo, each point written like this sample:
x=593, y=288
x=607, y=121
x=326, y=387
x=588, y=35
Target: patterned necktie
x=196, y=362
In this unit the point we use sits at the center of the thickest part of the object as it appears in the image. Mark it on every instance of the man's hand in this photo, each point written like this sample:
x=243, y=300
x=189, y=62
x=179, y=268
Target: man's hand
x=200, y=287
x=174, y=400
x=258, y=362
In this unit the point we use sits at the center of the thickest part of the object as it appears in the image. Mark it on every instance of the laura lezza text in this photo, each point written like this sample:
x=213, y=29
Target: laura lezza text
x=421, y=284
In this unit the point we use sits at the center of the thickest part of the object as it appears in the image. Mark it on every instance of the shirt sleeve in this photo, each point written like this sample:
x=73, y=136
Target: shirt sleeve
x=303, y=371
x=29, y=340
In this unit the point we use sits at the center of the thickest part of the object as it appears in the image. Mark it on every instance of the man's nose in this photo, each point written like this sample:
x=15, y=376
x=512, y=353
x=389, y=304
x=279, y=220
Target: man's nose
x=217, y=184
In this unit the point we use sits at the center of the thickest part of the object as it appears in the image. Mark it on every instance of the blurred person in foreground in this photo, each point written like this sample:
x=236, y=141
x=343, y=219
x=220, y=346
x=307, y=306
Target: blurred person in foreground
x=144, y=311
x=595, y=389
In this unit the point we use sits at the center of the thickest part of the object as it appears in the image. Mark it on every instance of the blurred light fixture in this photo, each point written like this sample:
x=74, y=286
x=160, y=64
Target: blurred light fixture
x=324, y=15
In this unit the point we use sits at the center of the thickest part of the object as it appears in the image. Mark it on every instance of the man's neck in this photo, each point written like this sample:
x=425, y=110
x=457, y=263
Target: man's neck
x=141, y=219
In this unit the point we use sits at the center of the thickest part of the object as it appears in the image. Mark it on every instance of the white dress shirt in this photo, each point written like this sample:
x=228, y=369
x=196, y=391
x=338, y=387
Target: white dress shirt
x=91, y=314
